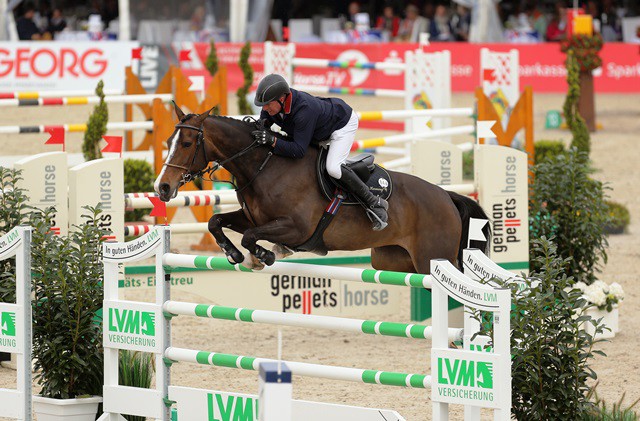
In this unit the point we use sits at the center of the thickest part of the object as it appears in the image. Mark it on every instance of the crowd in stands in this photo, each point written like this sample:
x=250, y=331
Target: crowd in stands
x=398, y=20
x=527, y=21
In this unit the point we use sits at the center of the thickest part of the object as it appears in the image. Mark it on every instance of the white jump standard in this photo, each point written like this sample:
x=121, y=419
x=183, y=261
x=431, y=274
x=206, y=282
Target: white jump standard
x=464, y=377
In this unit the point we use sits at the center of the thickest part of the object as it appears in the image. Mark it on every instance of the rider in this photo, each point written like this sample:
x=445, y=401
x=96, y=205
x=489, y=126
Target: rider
x=305, y=118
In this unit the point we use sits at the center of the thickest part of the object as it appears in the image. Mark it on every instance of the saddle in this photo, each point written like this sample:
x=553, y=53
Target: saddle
x=374, y=176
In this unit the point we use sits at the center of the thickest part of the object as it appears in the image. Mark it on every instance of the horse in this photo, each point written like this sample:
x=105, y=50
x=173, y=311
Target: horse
x=282, y=203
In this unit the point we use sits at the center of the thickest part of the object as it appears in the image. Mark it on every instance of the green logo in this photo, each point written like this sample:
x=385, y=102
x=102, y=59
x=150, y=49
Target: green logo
x=134, y=322
x=469, y=373
x=553, y=120
x=7, y=324
x=236, y=408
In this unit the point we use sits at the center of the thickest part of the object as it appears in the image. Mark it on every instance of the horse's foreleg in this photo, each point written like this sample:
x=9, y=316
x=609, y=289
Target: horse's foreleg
x=279, y=231
x=236, y=221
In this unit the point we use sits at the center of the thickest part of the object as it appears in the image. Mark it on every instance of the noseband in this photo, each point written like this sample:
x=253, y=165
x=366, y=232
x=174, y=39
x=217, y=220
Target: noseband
x=190, y=175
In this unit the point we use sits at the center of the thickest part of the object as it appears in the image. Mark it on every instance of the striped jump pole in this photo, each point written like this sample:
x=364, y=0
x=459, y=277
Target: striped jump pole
x=228, y=192
x=406, y=114
x=136, y=230
x=371, y=327
x=71, y=128
x=54, y=94
x=386, y=378
x=394, y=93
x=351, y=64
x=183, y=201
x=404, y=138
x=373, y=276
x=84, y=100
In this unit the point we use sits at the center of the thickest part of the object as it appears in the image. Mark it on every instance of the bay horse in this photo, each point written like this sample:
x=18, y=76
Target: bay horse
x=282, y=202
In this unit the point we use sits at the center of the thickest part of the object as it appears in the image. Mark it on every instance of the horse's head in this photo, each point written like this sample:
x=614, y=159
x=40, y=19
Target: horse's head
x=187, y=156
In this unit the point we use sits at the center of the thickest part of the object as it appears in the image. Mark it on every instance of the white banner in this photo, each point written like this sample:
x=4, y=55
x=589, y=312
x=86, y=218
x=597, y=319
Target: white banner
x=50, y=66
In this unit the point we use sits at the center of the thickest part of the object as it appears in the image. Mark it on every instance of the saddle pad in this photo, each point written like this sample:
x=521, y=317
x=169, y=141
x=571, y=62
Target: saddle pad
x=379, y=182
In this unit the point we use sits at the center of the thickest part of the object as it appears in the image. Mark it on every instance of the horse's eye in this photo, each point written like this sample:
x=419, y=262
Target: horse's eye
x=186, y=144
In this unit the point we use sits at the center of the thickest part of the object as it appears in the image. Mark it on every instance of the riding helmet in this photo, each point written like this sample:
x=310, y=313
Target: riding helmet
x=271, y=88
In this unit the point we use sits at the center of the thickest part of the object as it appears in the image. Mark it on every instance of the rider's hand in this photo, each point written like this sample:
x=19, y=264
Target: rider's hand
x=263, y=138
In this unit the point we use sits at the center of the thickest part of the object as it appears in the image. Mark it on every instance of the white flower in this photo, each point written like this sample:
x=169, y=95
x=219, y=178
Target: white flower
x=616, y=290
x=601, y=285
x=596, y=296
x=580, y=285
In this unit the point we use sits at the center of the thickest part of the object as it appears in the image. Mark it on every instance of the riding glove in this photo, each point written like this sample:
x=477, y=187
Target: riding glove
x=262, y=137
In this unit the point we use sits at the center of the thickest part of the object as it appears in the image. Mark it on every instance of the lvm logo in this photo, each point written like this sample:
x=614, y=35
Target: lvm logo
x=468, y=373
x=7, y=323
x=8, y=329
x=133, y=322
x=241, y=408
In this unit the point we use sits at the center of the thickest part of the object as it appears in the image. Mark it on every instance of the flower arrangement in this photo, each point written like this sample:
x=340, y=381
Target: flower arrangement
x=601, y=294
x=586, y=49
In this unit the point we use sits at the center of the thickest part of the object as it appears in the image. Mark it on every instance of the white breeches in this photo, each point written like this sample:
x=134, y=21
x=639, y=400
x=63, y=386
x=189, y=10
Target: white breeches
x=341, y=141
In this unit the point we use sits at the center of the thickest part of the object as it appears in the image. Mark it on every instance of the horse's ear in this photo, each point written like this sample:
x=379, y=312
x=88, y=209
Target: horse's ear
x=204, y=115
x=179, y=112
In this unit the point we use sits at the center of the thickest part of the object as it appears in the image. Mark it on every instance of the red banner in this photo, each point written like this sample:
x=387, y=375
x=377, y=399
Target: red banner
x=541, y=65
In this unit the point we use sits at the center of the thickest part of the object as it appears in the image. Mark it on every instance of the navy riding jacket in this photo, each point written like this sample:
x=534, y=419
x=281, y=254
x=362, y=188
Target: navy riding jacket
x=307, y=119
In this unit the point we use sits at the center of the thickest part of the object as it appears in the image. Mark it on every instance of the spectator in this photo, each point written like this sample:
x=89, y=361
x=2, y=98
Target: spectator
x=440, y=28
x=110, y=12
x=593, y=10
x=56, y=22
x=412, y=25
x=537, y=20
x=197, y=19
x=557, y=28
x=461, y=22
x=611, y=24
x=349, y=21
x=26, y=27
x=388, y=22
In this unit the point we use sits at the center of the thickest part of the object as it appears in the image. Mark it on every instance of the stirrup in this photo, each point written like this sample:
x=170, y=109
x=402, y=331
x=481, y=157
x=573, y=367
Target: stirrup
x=376, y=220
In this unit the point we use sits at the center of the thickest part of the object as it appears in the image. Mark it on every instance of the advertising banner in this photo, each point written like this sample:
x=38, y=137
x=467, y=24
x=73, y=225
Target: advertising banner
x=50, y=66
x=286, y=293
x=541, y=65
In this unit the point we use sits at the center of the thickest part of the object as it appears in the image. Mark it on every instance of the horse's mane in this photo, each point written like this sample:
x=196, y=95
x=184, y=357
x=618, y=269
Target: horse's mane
x=247, y=126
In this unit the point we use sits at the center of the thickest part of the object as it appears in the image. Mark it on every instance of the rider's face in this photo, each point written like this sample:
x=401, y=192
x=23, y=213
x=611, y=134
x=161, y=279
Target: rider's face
x=273, y=107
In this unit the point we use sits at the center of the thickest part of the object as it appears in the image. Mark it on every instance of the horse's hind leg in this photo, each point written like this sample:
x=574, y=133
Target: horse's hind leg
x=393, y=258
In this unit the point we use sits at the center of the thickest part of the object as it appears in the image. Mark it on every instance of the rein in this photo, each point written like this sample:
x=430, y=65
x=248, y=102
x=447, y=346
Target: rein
x=190, y=175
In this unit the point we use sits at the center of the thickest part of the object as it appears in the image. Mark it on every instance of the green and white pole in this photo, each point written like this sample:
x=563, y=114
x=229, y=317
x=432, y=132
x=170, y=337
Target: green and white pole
x=372, y=327
x=386, y=378
x=283, y=268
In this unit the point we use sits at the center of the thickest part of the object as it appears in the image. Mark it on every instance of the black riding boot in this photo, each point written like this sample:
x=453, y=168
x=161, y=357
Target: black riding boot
x=376, y=206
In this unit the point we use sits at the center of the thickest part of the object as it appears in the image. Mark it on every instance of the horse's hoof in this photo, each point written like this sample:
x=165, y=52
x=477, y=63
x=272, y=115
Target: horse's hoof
x=268, y=258
x=280, y=251
x=252, y=262
x=235, y=257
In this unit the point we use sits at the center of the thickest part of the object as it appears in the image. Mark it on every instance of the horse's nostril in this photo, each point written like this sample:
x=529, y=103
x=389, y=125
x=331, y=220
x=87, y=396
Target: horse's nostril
x=164, y=188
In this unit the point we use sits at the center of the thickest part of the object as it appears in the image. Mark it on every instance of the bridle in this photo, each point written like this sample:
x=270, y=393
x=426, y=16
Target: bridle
x=190, y=175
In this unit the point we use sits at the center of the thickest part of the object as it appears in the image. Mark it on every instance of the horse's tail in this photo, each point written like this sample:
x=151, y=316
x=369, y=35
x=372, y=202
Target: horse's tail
x=469, y=208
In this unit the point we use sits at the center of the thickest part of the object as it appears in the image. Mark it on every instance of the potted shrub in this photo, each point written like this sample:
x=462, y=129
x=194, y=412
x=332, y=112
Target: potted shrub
x=603, y=301
x=619, y=218
x=67, y=338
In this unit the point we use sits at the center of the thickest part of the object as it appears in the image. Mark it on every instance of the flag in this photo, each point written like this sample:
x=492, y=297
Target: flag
x=114, y=144
x=57, y=136
x=489, y=75
x=136, y=53
x=484, y=129
x=159, y=207
x=475, y=230
x=184, y=55
x=197, y=83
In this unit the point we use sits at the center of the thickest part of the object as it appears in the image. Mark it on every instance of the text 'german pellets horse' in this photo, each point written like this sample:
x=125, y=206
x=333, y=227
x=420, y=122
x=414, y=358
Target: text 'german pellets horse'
x=282, y=202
